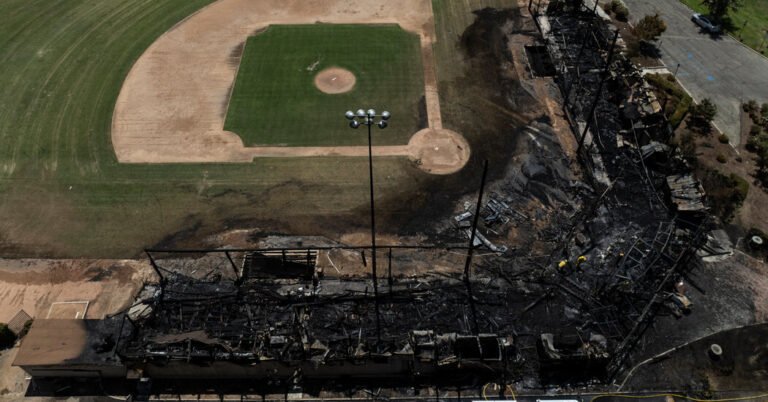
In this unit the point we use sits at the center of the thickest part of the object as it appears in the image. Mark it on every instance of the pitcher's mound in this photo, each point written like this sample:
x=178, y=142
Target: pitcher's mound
x=439, y=151
x=335, y=80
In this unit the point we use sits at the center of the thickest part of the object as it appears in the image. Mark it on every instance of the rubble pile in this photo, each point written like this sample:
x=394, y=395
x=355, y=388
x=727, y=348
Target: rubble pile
x=318, y=326
x=581, y=260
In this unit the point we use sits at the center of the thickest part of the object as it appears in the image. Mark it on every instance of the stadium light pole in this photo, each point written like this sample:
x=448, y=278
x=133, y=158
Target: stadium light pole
x=368, y=118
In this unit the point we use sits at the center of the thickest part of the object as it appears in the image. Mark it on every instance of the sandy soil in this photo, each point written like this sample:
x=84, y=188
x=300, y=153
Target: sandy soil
x=173, y=102
x=36, y=285
x=12, y=379
x=335, y=80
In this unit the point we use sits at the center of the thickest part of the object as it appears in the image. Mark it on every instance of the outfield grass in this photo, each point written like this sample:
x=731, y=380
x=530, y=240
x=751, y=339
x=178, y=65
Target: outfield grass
x=752, y=12
x=275, y=101
x=62, y=192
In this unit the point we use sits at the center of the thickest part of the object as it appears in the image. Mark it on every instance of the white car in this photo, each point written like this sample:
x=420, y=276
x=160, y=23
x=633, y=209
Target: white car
x=705, y=23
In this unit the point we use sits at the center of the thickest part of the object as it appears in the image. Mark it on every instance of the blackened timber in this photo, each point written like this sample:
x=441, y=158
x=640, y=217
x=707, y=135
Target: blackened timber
x=446, y=247
x=599, y=93
x=232, y=263
x=634, y=335
x=389, y=271
x=154, y=265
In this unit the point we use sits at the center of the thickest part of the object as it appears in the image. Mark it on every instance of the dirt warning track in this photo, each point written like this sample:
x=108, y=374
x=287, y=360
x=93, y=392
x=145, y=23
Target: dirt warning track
x=173, y=103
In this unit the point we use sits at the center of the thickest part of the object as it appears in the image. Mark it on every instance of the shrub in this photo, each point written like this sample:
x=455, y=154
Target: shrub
x=622, y=13
x=7, y=337
x=726, y=194
x=755, y=130
x=757, y=143
x=649, y=27
x=701, y=115
x=679, y=100
x=721, y=158
x=762, y=165
x=749, y=107
x=680, y=111
x=723, y=139
x=764, y=111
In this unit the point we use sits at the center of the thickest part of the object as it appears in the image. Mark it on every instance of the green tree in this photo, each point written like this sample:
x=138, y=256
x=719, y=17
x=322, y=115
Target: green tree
x=687, y=146
x=702, y=114
x=762, y=166
x=719, y=8
x=650, y=27
x=726, y=193
x=621, y=11
x=757, y=142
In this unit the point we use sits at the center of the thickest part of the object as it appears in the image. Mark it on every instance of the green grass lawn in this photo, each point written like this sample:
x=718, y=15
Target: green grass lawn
x=275, y=101
x=752, y=12
x=62, y=192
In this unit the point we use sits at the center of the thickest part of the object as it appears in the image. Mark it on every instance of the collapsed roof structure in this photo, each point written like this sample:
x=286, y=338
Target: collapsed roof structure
x=307, y=326
x=572, y=314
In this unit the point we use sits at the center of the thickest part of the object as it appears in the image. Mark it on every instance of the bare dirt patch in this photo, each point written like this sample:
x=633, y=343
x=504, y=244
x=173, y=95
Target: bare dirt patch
x=43, y=286
x=335, y=80
x=172, y=106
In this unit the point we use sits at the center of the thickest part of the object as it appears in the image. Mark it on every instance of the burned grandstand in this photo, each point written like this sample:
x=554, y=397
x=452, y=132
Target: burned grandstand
x=280, y=317
x=309, y=326
x=599, y=256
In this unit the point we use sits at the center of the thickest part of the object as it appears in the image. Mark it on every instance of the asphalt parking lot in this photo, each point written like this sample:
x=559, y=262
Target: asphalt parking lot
x=719, y=68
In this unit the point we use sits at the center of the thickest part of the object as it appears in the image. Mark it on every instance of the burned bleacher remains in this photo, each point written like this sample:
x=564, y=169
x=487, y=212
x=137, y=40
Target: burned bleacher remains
x=261, y=322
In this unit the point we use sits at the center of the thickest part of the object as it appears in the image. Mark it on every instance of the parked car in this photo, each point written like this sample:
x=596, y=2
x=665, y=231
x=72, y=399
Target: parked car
x=705, y=23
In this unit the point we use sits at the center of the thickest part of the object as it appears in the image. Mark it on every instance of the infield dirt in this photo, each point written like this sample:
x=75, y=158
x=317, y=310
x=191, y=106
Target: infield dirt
x=173, y=103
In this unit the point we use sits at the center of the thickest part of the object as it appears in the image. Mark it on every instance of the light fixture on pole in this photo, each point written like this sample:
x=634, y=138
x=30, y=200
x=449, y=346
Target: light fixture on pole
x=369, y=118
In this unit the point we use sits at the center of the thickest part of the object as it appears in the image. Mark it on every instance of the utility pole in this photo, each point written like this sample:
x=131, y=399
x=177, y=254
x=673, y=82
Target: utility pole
x=471, y=249
x=368, y=118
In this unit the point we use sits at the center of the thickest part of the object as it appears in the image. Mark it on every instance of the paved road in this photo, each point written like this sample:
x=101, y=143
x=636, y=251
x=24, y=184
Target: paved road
x=717, y=68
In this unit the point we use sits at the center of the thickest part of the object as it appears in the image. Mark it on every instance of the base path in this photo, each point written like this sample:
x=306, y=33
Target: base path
x=173, y=103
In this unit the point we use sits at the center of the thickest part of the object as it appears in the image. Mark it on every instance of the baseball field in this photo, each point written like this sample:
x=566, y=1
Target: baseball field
x=276, y=102
x=74, y=74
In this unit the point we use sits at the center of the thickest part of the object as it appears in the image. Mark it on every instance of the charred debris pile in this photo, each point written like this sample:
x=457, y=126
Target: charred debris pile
x=274, y=314
x=607, y=250
x=613, y=253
